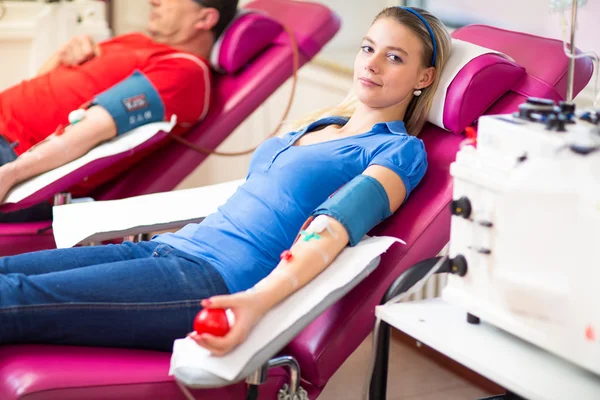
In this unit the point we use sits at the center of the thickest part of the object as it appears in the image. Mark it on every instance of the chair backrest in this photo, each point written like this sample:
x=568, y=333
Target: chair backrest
x=424, y=220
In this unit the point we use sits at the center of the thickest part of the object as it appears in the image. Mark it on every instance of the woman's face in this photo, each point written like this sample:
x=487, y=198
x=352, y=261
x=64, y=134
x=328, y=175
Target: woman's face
x=388, y=67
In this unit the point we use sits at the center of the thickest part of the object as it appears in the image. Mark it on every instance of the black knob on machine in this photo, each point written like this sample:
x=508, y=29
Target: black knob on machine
x=525, y=111
x=535, y=109
x=461, y=207
x=591, y=117
x=458, y=265
x=551, y=122
x=537, y=101
x=561, y=122
x=567, y=108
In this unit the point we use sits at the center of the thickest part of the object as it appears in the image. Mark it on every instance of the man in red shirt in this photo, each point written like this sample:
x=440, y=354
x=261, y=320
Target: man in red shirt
x=171, y=62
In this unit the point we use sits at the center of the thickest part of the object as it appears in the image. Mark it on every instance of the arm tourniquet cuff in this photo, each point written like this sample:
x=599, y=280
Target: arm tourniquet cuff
x=359, y=205
x=132, y=102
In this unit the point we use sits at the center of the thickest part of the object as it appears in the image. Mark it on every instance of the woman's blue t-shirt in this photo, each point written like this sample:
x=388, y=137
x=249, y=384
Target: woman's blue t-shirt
x=285, y=183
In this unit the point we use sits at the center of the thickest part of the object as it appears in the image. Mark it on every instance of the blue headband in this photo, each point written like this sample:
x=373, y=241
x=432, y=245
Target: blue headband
x=428, y=28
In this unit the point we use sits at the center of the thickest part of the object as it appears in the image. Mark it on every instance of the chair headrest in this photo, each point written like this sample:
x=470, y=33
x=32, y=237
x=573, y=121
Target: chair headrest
x=248, y=34
x=473, y=78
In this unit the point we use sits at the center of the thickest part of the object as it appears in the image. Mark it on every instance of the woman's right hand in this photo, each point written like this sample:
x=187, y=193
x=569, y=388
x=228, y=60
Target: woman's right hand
x=78, y=50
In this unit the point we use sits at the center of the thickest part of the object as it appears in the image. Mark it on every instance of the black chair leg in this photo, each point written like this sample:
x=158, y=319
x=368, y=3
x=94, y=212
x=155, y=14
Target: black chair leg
x=252, y=393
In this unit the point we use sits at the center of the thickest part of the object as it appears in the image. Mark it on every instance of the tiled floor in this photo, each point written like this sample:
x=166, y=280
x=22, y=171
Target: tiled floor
x=411, y=377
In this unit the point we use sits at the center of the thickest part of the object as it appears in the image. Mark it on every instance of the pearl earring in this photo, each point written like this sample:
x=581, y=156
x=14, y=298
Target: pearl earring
x=417, y=92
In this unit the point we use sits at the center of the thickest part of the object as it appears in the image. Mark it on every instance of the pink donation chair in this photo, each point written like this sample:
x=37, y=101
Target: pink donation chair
x=488, y=83
x=255, y=58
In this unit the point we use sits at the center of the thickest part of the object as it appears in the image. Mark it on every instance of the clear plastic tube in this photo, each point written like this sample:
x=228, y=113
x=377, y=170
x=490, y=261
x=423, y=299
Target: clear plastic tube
x=561, y=5
x=564, y=29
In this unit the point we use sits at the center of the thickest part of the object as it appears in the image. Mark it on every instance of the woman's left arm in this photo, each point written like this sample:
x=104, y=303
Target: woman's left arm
x=308, y=260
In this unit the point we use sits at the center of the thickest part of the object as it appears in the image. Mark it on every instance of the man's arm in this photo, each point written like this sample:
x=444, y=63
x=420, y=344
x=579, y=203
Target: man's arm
x=135, y=101
x=50, y=64
x=97, y=127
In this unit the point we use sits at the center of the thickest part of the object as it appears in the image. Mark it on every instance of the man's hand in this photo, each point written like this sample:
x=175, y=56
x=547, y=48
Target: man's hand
x=78, y=50
x=7, y=179
x=75, y=52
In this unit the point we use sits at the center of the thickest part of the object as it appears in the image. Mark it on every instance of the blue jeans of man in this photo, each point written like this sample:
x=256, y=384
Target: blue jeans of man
x=142, y=295
x=38, y=212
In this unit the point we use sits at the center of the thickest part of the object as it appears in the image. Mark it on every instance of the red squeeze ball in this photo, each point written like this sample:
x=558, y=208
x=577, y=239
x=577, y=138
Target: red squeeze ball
x=213, y=321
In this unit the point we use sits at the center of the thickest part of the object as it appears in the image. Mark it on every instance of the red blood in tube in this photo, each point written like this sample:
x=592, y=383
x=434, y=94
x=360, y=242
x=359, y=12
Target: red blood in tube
x=213, y=321
x=286, y=255
x=471, y=132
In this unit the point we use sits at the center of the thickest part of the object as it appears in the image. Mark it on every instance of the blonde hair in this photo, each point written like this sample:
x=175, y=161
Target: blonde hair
x=418, y=108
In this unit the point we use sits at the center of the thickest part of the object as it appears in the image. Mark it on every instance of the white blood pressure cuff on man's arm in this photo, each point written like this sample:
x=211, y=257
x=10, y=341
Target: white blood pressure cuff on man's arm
x=132, y=102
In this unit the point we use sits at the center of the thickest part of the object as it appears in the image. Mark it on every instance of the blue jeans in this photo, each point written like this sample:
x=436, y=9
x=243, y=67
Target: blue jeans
x=7, y=154
x=38, y=212
x=142, y=295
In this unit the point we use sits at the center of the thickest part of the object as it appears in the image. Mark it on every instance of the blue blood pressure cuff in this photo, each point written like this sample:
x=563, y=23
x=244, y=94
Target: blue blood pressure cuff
x=359, y=205
x=132, y=102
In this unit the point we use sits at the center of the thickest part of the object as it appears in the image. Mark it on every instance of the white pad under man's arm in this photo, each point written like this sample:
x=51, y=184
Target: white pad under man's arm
x=103, y=220
x=121, y=144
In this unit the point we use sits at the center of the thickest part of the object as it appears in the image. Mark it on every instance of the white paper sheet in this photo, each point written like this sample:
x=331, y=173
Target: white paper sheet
x=115, y=146
x=103, y=220
x=351, y=261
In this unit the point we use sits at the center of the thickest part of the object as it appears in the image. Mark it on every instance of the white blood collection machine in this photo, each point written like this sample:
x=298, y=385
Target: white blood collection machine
x=525, y=230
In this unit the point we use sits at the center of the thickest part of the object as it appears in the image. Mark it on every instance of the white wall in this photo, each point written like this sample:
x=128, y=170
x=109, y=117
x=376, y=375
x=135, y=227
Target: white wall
x=532, y=16
x=30, y=32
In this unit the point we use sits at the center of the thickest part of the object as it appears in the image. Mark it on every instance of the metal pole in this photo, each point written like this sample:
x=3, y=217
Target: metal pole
x=292, y=364
x=572, y=59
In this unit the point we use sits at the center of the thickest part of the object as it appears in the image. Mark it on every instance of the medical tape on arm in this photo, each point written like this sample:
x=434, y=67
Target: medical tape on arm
x=314, y=232
x=278, y=272
x=321, y=224
x=290, y=276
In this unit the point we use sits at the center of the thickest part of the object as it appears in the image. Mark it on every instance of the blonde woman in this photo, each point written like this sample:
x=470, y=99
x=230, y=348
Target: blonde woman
x=342, y=172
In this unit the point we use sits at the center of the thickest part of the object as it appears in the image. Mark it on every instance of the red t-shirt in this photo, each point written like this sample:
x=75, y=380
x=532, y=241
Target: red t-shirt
x=33, y=109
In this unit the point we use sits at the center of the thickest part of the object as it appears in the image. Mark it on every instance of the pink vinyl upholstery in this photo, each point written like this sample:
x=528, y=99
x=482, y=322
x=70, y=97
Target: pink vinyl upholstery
x=61, y=372
x=235, y=97
x=474, y=89
x=246, y=37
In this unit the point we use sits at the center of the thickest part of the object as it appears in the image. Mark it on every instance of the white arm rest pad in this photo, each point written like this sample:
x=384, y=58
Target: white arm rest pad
x=103, y=220
x=195, y=367
x=118, y=145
